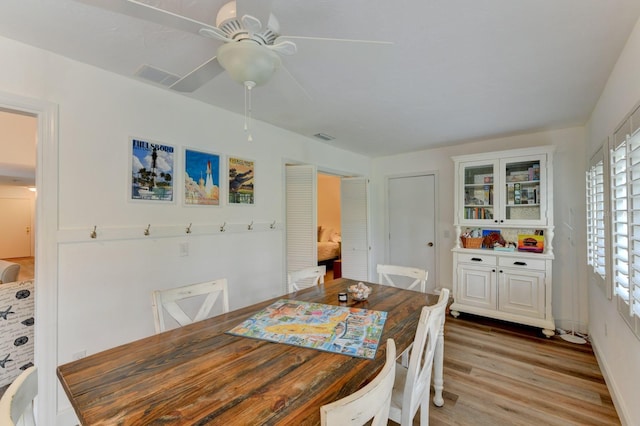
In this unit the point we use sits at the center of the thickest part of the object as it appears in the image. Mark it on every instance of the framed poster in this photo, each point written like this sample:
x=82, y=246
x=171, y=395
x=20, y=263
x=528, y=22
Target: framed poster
x=152, y=171
x=241, y=181
x=201, y=178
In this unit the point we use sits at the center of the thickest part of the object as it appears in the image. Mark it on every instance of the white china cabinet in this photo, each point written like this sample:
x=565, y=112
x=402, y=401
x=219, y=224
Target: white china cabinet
x=509, y=193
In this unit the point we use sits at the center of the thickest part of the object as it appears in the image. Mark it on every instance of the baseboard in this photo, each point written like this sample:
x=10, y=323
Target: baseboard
x=611, y=385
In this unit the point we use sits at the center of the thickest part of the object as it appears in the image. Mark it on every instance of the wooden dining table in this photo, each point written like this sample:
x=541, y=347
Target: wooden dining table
x=198, y=374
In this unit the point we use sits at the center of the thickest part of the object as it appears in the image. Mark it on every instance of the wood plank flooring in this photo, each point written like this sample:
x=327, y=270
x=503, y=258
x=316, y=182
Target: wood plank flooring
x=498, y=373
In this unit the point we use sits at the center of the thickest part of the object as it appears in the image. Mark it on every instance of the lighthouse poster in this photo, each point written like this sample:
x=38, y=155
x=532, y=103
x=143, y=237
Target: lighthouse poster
x=201, y=178
x=152, y=167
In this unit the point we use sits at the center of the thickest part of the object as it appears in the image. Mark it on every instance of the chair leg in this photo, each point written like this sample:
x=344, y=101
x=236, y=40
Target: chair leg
x=438, y=380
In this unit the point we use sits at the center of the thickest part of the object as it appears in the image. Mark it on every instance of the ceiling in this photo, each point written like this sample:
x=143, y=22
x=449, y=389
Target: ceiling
x=455, y=70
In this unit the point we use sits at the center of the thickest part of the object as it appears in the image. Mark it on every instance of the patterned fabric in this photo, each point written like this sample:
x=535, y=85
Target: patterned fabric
x=16, y=329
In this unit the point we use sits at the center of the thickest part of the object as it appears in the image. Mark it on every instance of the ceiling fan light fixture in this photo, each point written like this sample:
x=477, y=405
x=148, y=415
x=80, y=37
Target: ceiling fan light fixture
x=247, y=61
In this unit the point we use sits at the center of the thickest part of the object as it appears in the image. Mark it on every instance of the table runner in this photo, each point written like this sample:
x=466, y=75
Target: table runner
x=339, y=329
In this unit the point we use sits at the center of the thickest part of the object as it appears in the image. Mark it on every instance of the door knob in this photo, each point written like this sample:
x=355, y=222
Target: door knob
x=430, y=244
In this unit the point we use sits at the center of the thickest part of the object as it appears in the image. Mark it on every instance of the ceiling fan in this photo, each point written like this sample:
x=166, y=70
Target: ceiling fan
x=249, y=32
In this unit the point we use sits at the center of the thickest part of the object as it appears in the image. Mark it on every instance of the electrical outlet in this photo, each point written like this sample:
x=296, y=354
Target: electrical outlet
x=79, y=355
x=184, y=249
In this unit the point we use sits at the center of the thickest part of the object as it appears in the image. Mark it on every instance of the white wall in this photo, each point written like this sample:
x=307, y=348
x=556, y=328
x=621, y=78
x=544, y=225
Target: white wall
x=104, y=284
x=617, y=348
x=569, y=205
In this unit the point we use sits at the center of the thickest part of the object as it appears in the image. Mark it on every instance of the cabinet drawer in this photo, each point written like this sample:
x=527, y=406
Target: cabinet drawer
x=522, y=263
x=478, y=259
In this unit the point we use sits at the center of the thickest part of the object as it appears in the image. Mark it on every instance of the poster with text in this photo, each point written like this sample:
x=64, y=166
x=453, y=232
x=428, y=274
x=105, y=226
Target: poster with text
x=152, y=171
x=241, y=181
x=201, y=178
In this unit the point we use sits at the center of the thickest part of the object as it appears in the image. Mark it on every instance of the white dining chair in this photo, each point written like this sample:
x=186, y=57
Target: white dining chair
x=168, y=300
x=419, y=276
x=16, y=405
x=305, y=278
x=370, y=402
x=413, y=383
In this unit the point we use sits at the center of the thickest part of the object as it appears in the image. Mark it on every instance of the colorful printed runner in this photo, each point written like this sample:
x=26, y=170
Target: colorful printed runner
x=338, y=329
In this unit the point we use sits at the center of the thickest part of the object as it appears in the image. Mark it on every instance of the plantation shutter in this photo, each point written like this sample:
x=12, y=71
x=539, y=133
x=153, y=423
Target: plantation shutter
x=302, y=232
x=596, y=253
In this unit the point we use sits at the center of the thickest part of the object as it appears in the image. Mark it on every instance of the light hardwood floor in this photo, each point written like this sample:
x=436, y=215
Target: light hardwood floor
x=499, y=373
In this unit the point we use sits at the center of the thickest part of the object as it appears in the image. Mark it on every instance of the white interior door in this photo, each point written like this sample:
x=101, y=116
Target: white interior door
x=302, y=211
x=411, y=215
x=15, y=227
x=355, y=228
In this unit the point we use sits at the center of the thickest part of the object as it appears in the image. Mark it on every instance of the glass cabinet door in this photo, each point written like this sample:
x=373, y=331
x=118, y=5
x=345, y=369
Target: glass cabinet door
x=479, y=193
x=522, y=197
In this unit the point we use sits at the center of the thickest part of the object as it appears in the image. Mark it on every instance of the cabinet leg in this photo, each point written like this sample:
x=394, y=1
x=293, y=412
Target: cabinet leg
x=548, y=332
x=455, y=314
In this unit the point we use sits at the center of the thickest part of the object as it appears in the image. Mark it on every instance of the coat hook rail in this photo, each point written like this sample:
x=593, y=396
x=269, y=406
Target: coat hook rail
x=250, y=227
x=146, y=231
x=94, y=234
x=222, y=227
x=273, y=225
x=188, y=231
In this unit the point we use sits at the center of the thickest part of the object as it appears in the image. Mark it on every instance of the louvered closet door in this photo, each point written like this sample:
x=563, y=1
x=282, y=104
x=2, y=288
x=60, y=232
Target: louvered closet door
x=355, y=241
x=301, y=204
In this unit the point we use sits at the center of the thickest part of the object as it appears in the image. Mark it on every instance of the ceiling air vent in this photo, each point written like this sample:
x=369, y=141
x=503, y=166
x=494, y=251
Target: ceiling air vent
x=325, y=137
x=156, y=75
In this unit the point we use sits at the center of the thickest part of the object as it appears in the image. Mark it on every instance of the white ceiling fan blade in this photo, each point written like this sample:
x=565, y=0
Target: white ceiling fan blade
x=284, y=47
x=258, y=9
x=302, y=89
x=345, y=40
x=196, y=78
x=251, y=24
x=150, y=13
x=215, y=33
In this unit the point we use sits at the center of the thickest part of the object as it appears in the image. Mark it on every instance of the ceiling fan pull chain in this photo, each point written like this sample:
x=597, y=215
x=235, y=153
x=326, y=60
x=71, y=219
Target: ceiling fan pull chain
x=248, y=85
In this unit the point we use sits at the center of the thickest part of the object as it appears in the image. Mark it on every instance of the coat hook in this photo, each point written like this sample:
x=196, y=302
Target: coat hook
x=273, y=225
x=188, y=231
x=146, y=231
x=250, y=227
x=222, y=227
x=94, y=234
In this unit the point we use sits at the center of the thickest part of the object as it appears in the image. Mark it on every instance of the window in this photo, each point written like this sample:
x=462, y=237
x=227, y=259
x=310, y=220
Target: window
x=596, y=254
x=625, y=221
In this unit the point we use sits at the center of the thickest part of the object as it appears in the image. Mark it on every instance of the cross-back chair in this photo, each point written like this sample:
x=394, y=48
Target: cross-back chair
x=16, y=405
x=370, y=402
x=167, y=300
x=386, y=272
x=412, y=384
x=305, y=278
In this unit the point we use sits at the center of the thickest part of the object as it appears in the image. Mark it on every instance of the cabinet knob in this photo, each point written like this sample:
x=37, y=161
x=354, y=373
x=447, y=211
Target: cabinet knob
x=430, y=244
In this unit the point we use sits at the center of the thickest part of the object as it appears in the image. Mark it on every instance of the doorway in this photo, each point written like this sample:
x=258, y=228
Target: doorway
x=411, y=223
x=17, y=186
x=329, y=225
x=302, y=221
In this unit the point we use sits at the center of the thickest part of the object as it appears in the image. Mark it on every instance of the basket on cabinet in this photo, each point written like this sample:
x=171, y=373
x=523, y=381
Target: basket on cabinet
x=468, y=242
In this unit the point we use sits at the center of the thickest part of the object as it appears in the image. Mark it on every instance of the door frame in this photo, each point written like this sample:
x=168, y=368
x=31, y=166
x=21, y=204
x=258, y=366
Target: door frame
x=46, y=248
x=436, y=219
x=327, y=171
